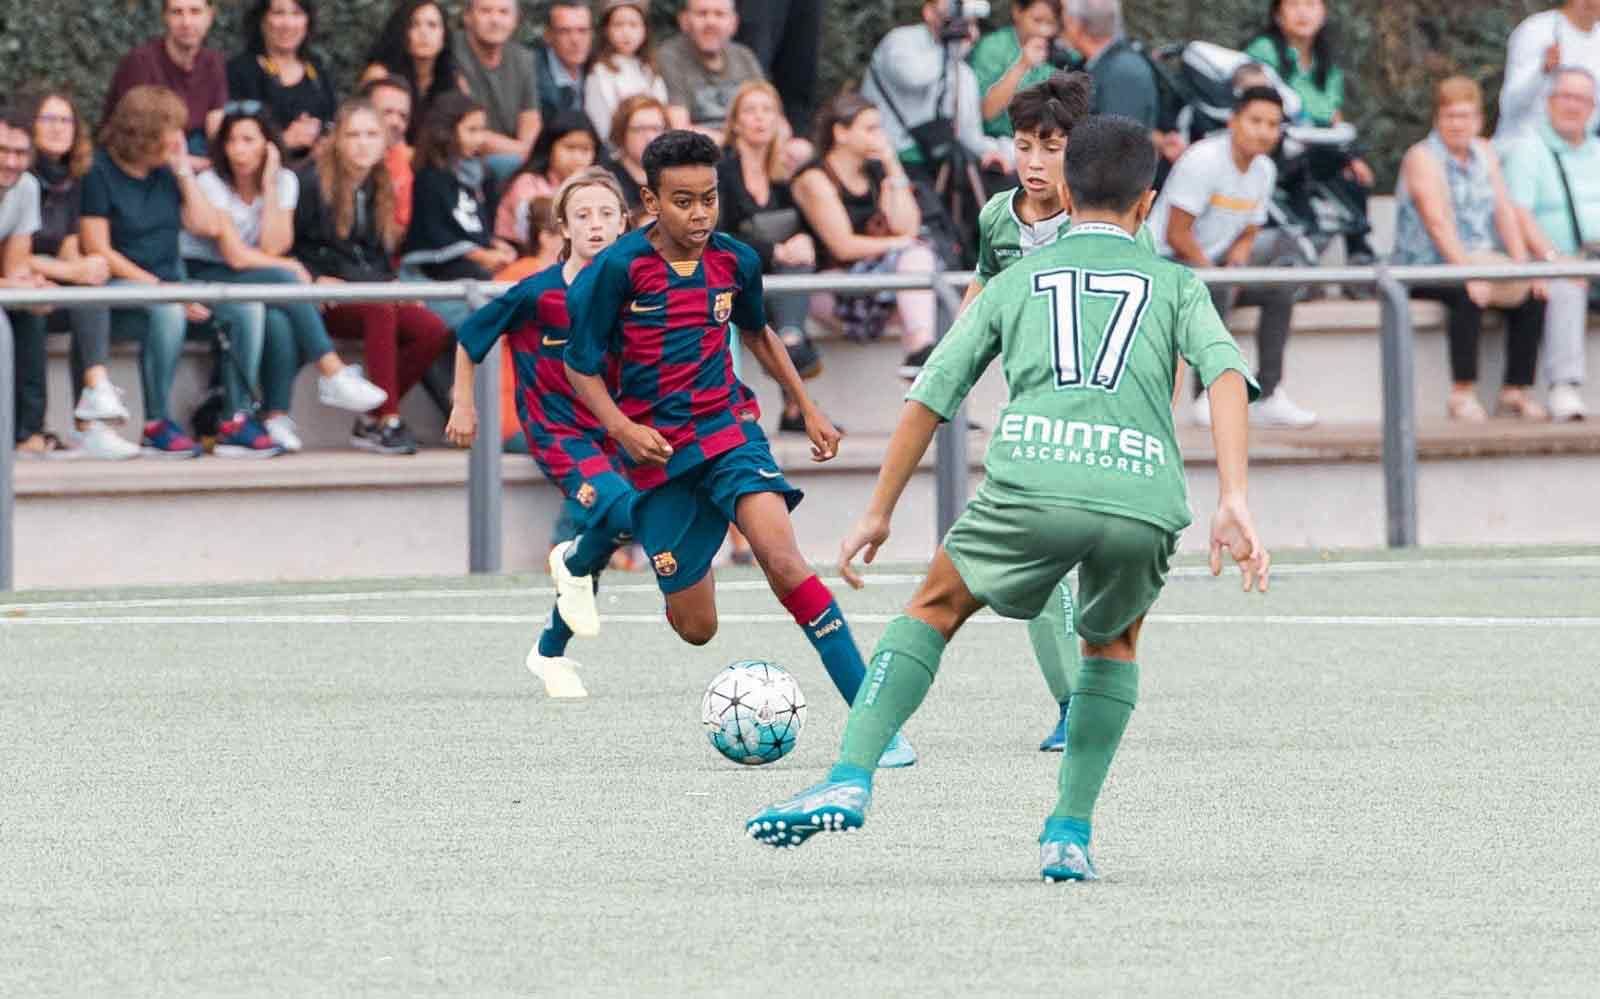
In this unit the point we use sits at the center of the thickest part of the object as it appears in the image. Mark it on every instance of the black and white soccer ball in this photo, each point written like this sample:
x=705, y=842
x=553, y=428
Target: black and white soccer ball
x=753, y=712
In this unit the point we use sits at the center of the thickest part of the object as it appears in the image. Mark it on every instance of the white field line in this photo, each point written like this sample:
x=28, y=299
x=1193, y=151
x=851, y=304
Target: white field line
x=525, y=620
x=738, y=585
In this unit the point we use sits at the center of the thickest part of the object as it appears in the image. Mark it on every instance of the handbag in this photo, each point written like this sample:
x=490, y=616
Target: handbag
x=935, y=139
x=1503, y=294
x=771, y=227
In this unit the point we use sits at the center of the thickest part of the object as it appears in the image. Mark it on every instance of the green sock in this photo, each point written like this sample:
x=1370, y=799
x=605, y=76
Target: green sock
x=1102, y=701
x=1055, y=643
x=899, y=674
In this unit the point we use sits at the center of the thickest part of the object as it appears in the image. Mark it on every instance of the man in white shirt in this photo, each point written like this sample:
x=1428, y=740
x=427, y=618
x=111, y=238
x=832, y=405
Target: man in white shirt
x=1568, y=35
x=1209, y=214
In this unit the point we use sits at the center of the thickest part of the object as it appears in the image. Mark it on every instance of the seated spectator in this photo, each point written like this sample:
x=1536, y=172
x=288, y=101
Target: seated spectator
x=704, y=67
x=625, y=66
x=903, y=81
x=563, y=59
x=415, y=46
x=180, y=62
x=500, y=73
x=544, y=242
x=391, y=97
x=139, y=195
x=1210, y=214
x=639, y=119
x=255, y=198
x=1296, y=44
x=1568, y=35
x=1553, y=176
x=568, y=145
x=757, y=208
x=786, y=37
x=345, y=230
x=1014, y=58
x=452, y=213
x=858, y=204
x=278, y=71
x=19, y=220
x=62, y=155
x=1124, y=82
x=1454, y=209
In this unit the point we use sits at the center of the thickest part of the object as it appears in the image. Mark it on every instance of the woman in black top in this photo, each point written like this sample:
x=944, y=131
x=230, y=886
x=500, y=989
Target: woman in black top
x=415, y=44
x=277, y=71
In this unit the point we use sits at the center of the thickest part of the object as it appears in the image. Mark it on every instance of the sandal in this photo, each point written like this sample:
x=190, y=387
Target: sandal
x=49, y=446
x=1464, y=407
x=1519, y=405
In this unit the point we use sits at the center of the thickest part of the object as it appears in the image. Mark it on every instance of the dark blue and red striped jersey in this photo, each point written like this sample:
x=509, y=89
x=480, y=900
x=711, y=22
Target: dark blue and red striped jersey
x=667, y=325
x=564, y=437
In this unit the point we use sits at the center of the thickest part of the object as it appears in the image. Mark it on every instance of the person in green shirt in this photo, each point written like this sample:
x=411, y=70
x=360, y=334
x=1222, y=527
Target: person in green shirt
x=1011, y=59
x=1084, y=473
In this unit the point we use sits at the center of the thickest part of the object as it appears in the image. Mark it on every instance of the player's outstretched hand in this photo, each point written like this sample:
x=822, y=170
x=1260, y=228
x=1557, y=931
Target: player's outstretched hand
x=869, y=534
x=463, y=426
x=1232, y=529
x=644, y=445
x=824, y=435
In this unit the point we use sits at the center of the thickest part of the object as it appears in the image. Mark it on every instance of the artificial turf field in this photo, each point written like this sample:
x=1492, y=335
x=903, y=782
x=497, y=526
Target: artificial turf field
x=1379, y=779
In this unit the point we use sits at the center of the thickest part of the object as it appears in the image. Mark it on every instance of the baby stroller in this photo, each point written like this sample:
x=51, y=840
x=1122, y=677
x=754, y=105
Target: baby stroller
x=1313, y=204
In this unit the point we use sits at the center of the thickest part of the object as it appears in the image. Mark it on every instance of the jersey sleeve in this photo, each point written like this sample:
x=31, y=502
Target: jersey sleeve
x=1203, y=338
x=479, y=331
x=960, y=359
x=1145, y=239
x=749, y=303
x=988, y=262
x=595, y=303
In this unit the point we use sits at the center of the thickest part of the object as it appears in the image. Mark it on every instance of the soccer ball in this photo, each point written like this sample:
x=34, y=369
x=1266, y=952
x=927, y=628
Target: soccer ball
x=753, y=712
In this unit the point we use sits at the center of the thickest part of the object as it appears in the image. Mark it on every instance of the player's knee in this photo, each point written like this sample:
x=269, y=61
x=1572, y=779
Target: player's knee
x=696, y=630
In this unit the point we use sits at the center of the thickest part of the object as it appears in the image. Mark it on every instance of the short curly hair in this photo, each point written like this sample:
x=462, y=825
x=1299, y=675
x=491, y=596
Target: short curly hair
x=139, y=124
x=677, y=148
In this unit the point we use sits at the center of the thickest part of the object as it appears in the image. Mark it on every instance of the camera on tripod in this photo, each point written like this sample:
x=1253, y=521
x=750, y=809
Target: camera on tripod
x=959, y=17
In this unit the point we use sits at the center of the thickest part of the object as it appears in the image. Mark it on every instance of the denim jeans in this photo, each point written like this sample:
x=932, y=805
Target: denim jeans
x=28, y=369
x=160, y=330
x=294, y=334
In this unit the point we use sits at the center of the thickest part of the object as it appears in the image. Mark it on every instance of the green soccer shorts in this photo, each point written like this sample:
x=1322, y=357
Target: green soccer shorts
x=1011, y=556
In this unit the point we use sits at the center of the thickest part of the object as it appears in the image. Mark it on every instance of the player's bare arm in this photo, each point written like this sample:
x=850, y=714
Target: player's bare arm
x=907, y=445
x=1231, y=526
x=462, y=427
x=643, y=444
x=774, y=359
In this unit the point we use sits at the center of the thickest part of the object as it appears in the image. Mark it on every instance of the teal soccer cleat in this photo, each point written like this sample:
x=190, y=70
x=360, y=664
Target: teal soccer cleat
x=897, y=754
x=1056, y=741
x=1064, y=851
x=832, y=806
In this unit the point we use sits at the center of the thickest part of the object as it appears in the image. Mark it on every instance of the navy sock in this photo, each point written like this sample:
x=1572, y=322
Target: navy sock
x=818, y=615
x=553, y=640
x=599, y=540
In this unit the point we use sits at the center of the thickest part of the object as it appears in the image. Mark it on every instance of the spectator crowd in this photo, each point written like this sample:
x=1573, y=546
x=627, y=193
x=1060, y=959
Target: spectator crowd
x=440, y=162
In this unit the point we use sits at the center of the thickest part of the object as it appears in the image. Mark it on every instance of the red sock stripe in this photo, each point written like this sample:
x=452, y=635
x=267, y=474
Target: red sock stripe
x=809, y=601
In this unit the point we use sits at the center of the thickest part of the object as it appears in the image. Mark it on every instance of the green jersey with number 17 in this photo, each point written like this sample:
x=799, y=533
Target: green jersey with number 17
x=1004, y=239
x=1089, y=331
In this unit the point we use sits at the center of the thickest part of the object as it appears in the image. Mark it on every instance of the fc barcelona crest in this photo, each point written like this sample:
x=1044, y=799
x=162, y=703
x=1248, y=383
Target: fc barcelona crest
x=586, y=496
x=722, y=308
x=666, y=564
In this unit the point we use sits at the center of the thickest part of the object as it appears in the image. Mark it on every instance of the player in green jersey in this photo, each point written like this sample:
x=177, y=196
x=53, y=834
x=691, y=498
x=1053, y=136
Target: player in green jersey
x=1084, y=472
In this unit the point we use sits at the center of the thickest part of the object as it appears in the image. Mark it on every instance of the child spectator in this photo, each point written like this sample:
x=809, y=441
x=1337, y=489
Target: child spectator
x=255, y=197
x=345, y=230
x=137, y=197
x=415, y=45
x=391, y=97
x=625, y=65
x=278, y=72
x=639, y=119
x=858, y=203
x=1014, y=58
x=62, y=155
x=567, y=146
x=451, y=237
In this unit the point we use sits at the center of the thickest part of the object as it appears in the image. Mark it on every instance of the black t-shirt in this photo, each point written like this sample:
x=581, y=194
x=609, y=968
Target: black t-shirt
x=145, y=214
x=251, y=78
x=448, y=219
x=739, y=205
x=859, y=207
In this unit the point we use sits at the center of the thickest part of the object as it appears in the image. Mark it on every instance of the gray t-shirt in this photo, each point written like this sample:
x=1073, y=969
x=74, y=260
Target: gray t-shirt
x=508, y=90
x=707, y=95
x=19, y=208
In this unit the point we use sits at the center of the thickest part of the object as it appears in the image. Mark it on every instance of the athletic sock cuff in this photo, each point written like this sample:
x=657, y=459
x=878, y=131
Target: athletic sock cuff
x=1112, y=679
x=808, y=601
x=914, y=639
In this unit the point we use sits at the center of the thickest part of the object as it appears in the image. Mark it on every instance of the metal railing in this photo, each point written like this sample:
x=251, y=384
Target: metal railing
x=485, y=482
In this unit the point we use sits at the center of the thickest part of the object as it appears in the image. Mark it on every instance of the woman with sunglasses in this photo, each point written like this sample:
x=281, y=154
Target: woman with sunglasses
x=278, y=73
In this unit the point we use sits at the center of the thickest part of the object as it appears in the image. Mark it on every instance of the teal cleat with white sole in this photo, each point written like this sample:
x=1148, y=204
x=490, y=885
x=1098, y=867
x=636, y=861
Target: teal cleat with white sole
x=897, y=754
x=1056, y=741
x=832, y=806
x=1064, y=851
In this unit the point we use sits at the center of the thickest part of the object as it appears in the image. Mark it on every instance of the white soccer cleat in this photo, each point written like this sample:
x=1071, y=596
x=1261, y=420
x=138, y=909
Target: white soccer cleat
x=574, y=594
x=560, y=675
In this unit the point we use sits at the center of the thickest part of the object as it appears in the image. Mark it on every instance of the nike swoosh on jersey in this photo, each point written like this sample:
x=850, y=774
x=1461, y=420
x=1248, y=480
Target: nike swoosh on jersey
x=634, y=306
x=552, y=342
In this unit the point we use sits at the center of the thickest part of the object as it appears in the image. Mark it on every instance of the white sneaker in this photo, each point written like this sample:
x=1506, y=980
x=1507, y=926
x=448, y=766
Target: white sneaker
x=560, y=674
x=1200, y=410
x=284, y=433
x=1278, y=410
x=350, y=390
x=101, y=402
x=100, y=443
x=1566, y=403
x=574, y=594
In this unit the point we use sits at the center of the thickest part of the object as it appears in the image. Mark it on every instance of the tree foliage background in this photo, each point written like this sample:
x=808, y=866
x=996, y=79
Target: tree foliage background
x=1393, y=50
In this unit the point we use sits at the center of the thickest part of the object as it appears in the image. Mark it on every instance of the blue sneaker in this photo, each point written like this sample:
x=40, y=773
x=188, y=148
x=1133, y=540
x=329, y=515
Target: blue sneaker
x=1056, y=741
x=1064, y=851
x=897, y=754
x=163, y=439
x=832, y=806
x=243, y=437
